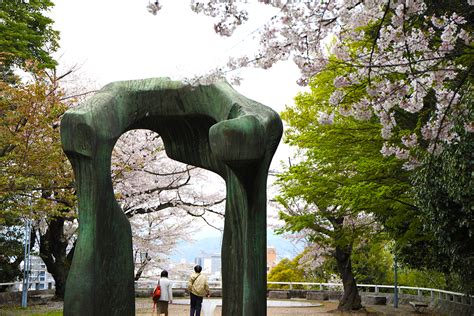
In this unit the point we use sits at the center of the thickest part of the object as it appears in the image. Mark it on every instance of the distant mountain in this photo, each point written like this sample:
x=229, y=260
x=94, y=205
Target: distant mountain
x=204, y=247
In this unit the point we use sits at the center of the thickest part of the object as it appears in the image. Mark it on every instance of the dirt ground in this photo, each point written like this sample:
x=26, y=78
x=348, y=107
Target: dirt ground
x=144, y=307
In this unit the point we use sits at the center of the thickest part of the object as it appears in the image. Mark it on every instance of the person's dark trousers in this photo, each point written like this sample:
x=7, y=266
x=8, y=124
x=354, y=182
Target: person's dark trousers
x=196, y=303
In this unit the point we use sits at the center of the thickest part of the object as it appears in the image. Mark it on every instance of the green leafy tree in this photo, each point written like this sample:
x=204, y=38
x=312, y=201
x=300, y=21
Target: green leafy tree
x=36, y=178
x=286, y=271
x=29, y=111
x=444, y=188
x=421, y=278
x=26, y=35
x=300, y=269
x=416, y=222
x=11, y=254
x=340, y=179
x=373, y=262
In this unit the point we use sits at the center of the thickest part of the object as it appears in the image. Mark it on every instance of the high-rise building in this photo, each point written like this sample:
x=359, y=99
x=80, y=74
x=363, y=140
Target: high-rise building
x=39, y=278
x=199, y=261
x=216, y=264
x=271, y=258
x=211, y=265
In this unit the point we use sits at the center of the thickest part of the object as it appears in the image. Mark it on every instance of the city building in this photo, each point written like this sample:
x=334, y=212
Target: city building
x=39, y=277
x=271, y=258
x=211, y=266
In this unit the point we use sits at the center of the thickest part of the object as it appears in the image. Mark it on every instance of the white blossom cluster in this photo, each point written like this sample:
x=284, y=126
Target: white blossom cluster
x=161, y=197
x=316, y=253
x=227, y=12
x=314, y=257
x=208, y=78
x=153, y=7
x=413, y=53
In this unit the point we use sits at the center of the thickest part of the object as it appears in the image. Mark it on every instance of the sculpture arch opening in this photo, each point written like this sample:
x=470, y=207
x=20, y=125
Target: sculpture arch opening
x=213, y=127
x=165, y=201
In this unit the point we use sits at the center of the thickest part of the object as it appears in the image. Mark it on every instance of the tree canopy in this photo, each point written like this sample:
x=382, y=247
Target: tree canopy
x=35, y=175
x=413, y=57
x=11, y=253
x=26, y=35
x=444, y=190
x=409, y=64
x=340, y=180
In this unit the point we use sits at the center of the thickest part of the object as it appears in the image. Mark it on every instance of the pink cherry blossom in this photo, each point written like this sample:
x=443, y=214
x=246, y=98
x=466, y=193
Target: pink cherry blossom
x=411, y=55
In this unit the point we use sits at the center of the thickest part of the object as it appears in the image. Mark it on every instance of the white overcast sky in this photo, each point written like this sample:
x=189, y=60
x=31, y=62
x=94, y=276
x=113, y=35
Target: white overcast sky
x=120, y=40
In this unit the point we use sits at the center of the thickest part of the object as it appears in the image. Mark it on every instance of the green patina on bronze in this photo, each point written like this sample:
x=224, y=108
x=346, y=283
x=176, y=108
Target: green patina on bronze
x=213, y=127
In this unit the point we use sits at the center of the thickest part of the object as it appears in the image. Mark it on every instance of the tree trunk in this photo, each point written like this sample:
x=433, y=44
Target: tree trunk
x=350, y=299
x=142, y=267
x=53, y=251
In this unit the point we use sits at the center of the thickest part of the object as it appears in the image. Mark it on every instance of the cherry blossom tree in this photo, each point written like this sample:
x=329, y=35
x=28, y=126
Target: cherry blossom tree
x=155, y=236
x=407, y=64
x=161, y=197
x=36, y=180
x=414, y=57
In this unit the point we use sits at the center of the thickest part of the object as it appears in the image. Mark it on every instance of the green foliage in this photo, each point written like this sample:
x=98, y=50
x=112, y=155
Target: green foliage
x=35, y=176
x=11, y=253
x=430, y=218
x=26, y=35
x=339, y=164
x=285, y=271
x=444, y=188
x=372, y=263
x=429, y=211
x=421, y=278
x=34, y=173
x=294, y=271
x=341, y=179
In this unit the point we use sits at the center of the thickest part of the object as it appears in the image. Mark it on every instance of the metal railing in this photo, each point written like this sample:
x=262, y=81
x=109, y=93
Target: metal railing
x=432, y=294
x=375, y=288
x=10, y=283
x=180, y=284
x=420, y=291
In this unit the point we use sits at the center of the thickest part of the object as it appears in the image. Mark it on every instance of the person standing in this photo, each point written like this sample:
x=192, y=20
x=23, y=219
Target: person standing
x=166, y=294
x=198, y=288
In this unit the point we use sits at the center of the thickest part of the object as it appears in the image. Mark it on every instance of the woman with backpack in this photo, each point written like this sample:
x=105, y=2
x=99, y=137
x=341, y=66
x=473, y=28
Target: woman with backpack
x=163, y=294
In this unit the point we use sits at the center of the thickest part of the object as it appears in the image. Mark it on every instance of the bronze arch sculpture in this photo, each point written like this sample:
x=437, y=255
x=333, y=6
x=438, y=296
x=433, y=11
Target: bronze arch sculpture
x=213, y=127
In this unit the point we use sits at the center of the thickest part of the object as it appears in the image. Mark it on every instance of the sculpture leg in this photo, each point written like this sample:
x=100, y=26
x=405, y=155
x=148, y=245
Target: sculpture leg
x=100, y=280
x=244, y=246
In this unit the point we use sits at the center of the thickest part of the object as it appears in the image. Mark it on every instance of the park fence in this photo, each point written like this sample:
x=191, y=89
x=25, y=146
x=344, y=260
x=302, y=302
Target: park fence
x=421, y=292
x=448, y=302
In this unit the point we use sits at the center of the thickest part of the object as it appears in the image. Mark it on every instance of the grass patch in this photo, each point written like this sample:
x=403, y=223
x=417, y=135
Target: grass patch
x=14, y=311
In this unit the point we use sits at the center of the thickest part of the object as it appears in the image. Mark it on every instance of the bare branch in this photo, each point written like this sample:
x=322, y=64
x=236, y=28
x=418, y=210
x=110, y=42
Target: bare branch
x=78, y=95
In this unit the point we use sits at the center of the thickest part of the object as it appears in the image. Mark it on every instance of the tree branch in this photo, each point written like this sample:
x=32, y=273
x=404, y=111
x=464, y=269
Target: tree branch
x=387, y=7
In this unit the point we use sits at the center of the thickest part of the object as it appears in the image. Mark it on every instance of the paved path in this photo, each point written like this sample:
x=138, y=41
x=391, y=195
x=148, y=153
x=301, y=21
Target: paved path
x=144, y=307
